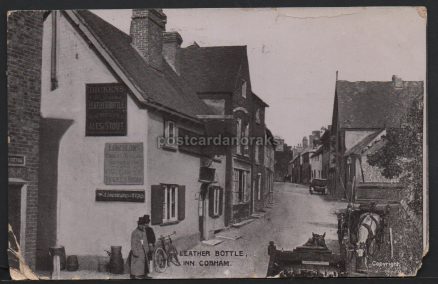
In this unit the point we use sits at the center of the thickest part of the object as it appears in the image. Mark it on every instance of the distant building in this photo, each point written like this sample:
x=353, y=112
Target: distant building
x=316, y=163
x=362, y=109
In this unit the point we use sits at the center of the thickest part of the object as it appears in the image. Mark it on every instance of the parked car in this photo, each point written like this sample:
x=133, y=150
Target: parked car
x=318, y=185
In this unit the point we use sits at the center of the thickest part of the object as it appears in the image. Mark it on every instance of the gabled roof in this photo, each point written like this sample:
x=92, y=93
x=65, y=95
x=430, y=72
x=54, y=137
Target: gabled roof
x=362, y=144
x=374, y=104
x=212, y=69
x=260, y=100
x=164, y=87
x=317, y=151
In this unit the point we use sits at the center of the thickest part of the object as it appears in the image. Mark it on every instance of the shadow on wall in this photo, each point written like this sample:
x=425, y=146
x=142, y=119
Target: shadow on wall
x=51, y=132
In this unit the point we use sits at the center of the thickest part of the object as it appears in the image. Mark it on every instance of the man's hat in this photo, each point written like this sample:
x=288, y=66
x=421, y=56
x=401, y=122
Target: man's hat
x=147, y=219
x=141, y=221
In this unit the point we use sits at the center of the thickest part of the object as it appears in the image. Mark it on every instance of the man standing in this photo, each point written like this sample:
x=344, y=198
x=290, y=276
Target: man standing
x=139, y=249
x=150, y=236
x=142, y=243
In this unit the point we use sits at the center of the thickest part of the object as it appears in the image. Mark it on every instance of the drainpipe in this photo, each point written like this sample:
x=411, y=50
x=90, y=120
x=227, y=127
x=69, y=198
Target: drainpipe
x=53, y=79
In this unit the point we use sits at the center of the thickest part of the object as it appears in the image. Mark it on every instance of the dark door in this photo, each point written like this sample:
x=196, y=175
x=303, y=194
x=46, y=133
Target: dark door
x=14, y=208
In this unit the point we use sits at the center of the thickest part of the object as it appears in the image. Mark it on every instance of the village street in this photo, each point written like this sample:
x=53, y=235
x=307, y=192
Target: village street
x=293, y=217
x=289, y=222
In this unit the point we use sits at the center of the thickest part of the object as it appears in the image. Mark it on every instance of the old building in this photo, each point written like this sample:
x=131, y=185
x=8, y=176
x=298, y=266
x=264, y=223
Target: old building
x=25, y=31
x=220, y=76
x=269, y=161
x=316, y=163
x=113, y=106
x=361, y=109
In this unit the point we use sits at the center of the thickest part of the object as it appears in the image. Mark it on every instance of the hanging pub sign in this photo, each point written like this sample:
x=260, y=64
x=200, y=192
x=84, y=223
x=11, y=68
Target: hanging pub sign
x=120, y=195
x=106, y=106
x=123, y=164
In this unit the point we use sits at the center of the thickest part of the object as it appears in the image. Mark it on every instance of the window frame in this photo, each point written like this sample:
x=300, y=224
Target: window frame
x=239, y=136
x=259, y=185
x=167, y=211
x=244, y=88
x=257, y=116
x=167, y=145
x=240, y=184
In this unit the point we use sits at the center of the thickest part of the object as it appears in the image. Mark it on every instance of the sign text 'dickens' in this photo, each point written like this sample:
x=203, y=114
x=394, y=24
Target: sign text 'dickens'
x=106, y=106
x=120, y=195
x=123, y=164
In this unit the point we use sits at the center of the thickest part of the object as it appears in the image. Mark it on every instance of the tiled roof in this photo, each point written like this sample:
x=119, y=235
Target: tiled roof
x=163, y=87
x=212, y=69
x=374, y=104
x=362, y=144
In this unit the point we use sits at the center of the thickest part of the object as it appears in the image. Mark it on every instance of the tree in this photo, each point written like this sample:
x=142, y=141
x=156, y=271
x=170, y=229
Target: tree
x=402, y=156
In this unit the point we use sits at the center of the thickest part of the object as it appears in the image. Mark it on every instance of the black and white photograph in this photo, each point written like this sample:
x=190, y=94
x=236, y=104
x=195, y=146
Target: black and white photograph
x=155, y=143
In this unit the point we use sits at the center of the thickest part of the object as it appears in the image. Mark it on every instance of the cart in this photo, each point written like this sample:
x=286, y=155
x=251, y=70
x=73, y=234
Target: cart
x=364, y=229
x=309, y=260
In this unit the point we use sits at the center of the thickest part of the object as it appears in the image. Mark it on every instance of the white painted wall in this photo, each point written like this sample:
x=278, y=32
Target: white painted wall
x=316, y=165
x=87, y=227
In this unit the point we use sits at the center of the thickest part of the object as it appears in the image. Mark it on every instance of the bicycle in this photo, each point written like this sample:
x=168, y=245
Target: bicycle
x=165, y=253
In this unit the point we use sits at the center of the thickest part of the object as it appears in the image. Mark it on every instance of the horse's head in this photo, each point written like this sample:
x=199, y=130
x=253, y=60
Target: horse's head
x=319, y=239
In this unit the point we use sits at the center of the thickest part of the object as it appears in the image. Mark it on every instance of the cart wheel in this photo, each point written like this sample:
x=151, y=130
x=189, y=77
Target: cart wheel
x=173, y=255
x=160, y=260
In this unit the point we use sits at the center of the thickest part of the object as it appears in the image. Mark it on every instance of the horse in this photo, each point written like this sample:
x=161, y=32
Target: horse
x=368, y=226
x=316, y=241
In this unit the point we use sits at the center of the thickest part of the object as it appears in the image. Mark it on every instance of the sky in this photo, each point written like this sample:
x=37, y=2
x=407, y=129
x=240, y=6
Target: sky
x=294, y=53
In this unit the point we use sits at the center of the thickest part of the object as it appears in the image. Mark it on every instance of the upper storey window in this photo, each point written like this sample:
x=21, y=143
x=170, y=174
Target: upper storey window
x=244, y=89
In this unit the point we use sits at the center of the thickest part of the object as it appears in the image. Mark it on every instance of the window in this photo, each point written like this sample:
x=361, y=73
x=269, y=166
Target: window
x=257, y=116
x=259, y=185
x=240, y=184
x=239, y=136
x=170, y=134
x=215, y=197
x=246, y=146
x=170, y=205
x=256, y=154
x=243, y=88
x=167, y=204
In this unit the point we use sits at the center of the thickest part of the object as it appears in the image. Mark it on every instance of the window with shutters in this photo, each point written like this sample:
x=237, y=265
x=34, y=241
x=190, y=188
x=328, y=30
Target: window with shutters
x=170, y=205
x=167, y=204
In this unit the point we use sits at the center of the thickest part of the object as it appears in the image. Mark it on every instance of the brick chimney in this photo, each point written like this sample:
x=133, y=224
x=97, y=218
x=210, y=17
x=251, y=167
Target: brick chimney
x=171, y=43
x=397, y=82
x=147, y=27
x=305, y=142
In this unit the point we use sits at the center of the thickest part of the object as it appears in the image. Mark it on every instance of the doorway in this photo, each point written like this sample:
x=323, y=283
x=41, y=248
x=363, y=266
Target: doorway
x=17, y=215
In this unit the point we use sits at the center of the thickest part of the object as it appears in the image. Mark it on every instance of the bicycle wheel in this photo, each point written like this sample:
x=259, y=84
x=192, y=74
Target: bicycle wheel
x=160, y=260
x=173, y=255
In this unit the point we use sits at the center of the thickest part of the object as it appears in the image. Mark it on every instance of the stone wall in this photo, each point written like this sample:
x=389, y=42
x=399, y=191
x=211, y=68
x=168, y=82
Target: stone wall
x=24, y=93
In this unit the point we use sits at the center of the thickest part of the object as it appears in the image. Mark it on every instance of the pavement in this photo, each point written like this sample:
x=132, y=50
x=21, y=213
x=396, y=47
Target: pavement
x=289, y=222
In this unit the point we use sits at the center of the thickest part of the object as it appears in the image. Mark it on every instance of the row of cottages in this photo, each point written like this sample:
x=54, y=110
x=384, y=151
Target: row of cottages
x=113, y=106
x=306, y=163
x=362, y=113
